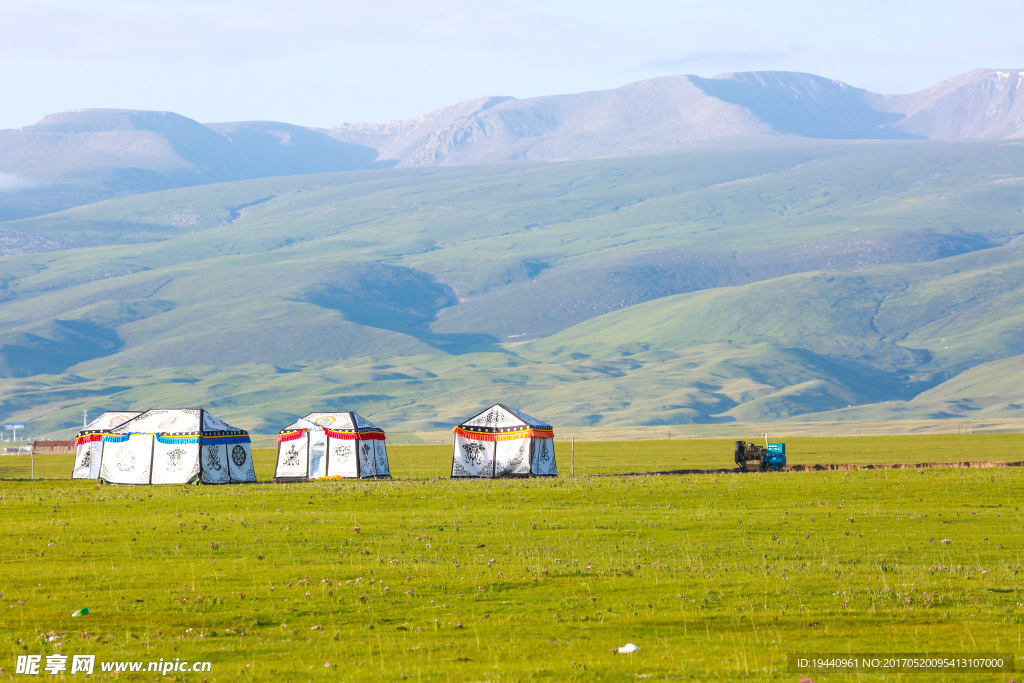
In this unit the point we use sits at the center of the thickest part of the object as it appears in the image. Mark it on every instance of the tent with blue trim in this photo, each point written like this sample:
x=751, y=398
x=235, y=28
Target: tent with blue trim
x=176, y=447
x=89, y=442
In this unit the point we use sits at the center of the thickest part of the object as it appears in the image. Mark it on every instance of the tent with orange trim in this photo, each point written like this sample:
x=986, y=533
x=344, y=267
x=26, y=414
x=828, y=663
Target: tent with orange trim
x=89, y=442
x=503, y=442
x=331, y=445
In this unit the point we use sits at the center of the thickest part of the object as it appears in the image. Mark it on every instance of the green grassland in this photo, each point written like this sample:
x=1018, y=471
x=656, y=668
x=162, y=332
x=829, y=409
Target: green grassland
x=837, y=281
x=715, y=577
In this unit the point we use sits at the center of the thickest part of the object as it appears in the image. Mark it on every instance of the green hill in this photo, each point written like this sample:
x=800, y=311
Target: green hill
x=833, y=280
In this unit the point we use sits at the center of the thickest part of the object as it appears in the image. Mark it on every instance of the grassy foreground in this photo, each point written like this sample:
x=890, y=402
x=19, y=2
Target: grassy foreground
x=714, y=577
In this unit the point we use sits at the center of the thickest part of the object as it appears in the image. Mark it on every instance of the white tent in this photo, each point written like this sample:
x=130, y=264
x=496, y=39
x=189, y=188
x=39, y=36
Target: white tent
x=89, y=443
x=331, y=445
x=503, y=442
x=176, y=447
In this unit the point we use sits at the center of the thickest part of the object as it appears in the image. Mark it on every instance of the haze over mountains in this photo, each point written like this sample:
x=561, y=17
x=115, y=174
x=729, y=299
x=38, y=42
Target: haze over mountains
x=669, y=113
x=81, y=156
x=752, y=247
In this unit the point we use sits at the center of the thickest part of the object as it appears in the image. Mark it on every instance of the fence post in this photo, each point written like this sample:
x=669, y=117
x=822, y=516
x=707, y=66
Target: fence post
x=33, y=451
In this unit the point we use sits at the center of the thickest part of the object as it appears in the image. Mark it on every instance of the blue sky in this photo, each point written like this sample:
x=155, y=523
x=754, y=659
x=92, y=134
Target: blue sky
x=324, y=62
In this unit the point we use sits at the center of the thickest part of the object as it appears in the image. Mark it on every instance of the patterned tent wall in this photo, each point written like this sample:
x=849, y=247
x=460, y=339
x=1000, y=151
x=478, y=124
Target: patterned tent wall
x=89, y=443
x=213, y=453
x=311, y=451
x=523, y=448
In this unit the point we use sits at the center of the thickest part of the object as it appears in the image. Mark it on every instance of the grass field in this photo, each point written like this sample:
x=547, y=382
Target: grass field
x=714, y=577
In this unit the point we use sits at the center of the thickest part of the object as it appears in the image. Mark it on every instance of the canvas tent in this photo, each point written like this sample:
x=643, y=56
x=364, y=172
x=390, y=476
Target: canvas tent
x=331, y=445
x=503, y=442
x=89, y=442
x=176, y=447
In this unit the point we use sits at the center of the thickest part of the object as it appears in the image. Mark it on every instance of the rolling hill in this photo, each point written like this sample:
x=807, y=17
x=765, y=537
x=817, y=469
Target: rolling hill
x=78, y=157
x=827, y=280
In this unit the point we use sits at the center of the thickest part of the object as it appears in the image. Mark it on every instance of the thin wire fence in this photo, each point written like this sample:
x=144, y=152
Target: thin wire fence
x=38, y=466
x=587, y=458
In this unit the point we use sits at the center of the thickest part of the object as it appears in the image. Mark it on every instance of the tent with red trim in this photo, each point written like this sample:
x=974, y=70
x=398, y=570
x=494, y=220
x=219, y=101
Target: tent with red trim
x=176, y=447
x=331, y=445
x=89, y=442
x=503, y=442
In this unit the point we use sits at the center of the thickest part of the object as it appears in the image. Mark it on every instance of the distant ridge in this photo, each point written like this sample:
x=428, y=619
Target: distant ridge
x=85, y=155
x=673, y=112
x=81, y=156
x=980, y=104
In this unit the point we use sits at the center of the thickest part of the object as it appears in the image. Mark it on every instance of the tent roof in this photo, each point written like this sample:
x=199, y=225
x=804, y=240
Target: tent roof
x=109, y=420
x=500, y=417
x=177, y=421
x=341, y=422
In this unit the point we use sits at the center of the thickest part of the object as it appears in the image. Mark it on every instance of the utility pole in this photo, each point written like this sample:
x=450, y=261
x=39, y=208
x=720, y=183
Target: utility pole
x=85, y=418
x=572, y=457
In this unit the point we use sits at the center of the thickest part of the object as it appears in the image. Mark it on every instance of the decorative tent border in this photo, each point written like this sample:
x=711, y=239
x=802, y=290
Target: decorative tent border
x=368, y=435
x=88, y=437
x=227, y=439
x=169, y=439
x=176, y=440
x=504, y=436
x=371, y=435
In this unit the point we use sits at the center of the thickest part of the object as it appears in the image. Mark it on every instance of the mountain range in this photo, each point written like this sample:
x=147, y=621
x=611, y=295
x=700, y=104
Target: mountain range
x=673, y=112
x=781, y=247
x=81, y=156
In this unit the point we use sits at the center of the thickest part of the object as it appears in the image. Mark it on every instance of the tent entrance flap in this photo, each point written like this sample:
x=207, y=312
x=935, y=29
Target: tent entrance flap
x=214, y=462
x=293, y=457
x=473, y=458
x=317, y=454
x=342, y=457
x=240, y=465
x=175, y=463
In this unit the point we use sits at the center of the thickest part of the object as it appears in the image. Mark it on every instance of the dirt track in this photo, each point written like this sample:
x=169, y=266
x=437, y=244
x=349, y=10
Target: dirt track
x=981, y=464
